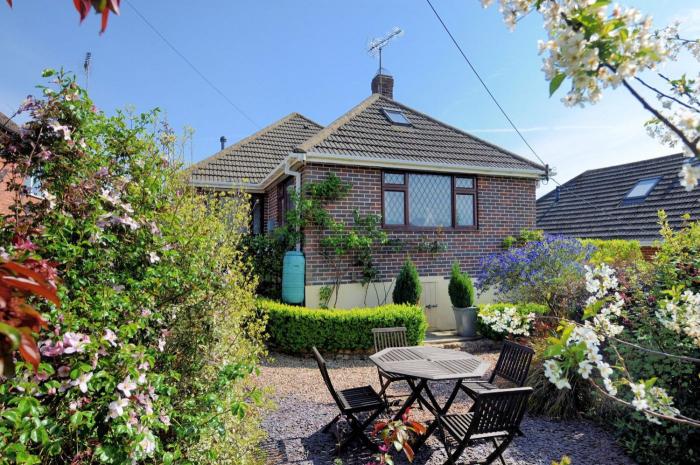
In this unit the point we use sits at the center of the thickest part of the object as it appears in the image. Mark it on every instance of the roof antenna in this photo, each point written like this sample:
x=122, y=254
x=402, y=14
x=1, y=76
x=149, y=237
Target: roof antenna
x=375, y=46
x=86, y=67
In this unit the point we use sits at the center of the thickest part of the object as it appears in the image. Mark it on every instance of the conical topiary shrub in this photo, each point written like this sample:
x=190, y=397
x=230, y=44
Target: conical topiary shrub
x=407, y=289
x=461, y=288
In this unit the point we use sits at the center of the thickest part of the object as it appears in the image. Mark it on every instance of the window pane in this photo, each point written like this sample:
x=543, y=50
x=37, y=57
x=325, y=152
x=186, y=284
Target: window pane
x=429, y=200
x=257, y=217
x=393, y=207
x=465, y=210
x=393, y=178
x=465, y=183
x=396, y=116
x=642, y=188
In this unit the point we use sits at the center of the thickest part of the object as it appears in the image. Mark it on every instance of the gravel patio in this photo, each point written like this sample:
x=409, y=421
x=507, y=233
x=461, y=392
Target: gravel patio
x=304, y=407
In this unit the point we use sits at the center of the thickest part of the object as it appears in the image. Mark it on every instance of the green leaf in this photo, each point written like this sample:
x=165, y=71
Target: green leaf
x=555, y=83
x=12, y=334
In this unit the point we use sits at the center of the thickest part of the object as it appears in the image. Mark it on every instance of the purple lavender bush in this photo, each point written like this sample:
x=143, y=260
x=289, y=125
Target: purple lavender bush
x=548, y=271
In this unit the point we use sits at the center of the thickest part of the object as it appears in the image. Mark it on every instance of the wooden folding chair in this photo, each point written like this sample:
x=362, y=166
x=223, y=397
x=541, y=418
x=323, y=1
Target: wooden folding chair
x=496, y=418
x=513, y=365
x=385, y=338
x=351, y=402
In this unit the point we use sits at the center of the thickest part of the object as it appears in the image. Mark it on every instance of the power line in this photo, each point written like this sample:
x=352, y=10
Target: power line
x=493, y=97
x=191, y=65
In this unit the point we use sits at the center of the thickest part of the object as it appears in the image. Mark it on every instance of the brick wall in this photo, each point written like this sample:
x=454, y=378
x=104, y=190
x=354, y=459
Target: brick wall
x=505, y=206
x=6, y=178
x=270, y=205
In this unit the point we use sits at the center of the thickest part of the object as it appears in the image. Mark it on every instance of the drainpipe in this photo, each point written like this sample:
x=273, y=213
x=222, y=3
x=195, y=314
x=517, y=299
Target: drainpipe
x=297, y=186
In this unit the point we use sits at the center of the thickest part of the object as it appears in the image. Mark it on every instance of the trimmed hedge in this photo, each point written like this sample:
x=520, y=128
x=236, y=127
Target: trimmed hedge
x=296, y=329
x=522, y=309
x=614, y=252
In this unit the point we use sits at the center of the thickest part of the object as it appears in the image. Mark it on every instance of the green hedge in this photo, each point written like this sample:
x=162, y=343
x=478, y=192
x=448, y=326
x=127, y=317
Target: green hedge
x=614, y=252
x=522, y=309
x=296, y=329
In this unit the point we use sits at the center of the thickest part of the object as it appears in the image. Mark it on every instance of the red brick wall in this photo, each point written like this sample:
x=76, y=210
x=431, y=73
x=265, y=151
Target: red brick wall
x=6, y=196
x=270, y=205
x=505, y=206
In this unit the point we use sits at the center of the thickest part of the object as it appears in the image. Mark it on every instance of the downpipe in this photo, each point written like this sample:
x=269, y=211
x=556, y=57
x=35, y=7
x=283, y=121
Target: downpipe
x=297, y=187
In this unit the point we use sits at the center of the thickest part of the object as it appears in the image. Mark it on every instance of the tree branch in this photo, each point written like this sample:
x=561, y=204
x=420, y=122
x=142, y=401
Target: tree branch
x=693, y=148
x=670, y=97
x=680, y=419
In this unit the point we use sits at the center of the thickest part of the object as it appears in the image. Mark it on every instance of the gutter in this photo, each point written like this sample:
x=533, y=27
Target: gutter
x=380, y=162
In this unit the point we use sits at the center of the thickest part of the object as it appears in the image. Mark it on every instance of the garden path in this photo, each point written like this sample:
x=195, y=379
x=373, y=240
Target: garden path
x=304, y=407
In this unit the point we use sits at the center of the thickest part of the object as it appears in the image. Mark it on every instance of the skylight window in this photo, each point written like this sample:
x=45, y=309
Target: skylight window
x=396, y=116
x=642, y=189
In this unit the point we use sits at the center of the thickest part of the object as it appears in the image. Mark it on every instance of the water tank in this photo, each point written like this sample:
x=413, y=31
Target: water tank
x=293, y=278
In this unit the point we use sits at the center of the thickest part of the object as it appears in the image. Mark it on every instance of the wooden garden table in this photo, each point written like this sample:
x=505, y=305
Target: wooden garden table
x=425, y=364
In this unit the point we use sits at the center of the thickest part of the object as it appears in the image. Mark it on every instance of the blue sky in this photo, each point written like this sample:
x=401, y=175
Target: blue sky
x=275, y=57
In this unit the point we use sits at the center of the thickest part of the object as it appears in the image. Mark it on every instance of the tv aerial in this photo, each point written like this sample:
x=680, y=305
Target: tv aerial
x=375, y=46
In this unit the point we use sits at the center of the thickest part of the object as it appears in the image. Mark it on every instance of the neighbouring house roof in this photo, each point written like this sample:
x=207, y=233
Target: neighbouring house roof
x=7, y=124
x=251, y=159
x=364, y=136
x=596, y=204
x=366, y=133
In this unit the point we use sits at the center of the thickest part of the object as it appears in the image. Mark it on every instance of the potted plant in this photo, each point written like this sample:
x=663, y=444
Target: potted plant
x=461, y=290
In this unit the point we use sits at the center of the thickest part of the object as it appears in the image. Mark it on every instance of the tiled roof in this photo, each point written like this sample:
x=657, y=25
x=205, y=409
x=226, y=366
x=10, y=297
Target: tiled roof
x=591, y=205
x=365, y=132
x=251, y=159
x=7, y=124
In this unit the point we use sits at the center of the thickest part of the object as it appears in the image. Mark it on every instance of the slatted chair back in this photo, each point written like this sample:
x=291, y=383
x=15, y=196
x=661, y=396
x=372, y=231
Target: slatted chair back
x=514, y=363
x=385, y=338
x=497, y=411
x=326, y=378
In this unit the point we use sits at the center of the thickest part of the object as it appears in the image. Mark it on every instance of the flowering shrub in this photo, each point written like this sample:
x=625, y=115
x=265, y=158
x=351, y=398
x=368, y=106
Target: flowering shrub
x=147, y=358
x=548, y=272
x=497, y=321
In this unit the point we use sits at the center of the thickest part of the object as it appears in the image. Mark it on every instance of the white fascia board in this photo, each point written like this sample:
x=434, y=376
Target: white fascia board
x=393, y=163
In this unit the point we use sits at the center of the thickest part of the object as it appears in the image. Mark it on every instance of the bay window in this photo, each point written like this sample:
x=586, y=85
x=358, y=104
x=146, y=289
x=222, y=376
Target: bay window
x=416, y=200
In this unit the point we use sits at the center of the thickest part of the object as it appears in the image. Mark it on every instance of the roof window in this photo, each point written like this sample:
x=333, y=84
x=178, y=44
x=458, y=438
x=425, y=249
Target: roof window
x=396, y=116
x=641, y=190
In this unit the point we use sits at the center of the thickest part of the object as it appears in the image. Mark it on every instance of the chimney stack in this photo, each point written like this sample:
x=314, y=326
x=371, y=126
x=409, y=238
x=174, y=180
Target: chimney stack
x=223, y=142
x=383, y=84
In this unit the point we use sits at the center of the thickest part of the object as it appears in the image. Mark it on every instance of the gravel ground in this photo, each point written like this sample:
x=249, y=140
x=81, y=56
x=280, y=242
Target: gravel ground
x=304, y=407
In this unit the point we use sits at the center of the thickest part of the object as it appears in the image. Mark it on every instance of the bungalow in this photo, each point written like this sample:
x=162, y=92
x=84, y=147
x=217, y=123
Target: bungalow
x=428, y=181
x=620, y=202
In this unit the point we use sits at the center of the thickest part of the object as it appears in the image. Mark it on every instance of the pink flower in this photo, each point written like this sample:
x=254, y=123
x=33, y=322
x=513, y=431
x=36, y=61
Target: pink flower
x=22, y=243
x=63, y=371
x=165, y=419
x=127, y=386
x=82, y=382
x=116, y=408
x=64, y=130
x=51, y=349
x=110, y=337
x=75, y=342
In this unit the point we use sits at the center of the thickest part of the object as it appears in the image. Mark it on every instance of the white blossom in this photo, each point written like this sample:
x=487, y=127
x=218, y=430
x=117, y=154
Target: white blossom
x=116, y=408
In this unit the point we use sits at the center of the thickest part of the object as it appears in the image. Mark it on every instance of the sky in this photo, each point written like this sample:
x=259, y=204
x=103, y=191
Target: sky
x=271, y=58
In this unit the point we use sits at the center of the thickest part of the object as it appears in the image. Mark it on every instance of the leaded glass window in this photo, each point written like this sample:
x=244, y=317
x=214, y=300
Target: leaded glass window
x=394, y=207
x=394, y=178
x=429, y=200
x=464, y=209
x=417, y=200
